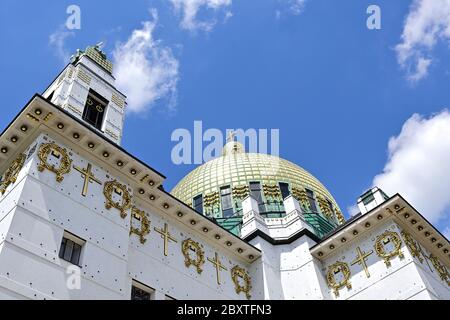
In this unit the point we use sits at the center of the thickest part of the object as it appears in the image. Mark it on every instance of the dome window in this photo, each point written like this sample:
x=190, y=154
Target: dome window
x=284, y=188
x=311, y=200
x=255, y=192
x=227, y=205
x=197, y=203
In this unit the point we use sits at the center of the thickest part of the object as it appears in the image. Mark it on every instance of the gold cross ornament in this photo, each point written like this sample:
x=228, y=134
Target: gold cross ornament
x=217, y=265
x=166, y=236
x=88, y=177
x=361, y=258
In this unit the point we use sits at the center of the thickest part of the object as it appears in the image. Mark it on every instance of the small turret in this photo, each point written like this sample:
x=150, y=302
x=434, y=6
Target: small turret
x=370, y=199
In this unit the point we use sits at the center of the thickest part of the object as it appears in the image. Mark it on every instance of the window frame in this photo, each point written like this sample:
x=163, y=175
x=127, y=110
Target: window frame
x=222, y=196
x=201, y=203
x=139, y=285
x=94, y=95
x=281, y=189
x=261, y=205
x=311, y=200
x=75, y=240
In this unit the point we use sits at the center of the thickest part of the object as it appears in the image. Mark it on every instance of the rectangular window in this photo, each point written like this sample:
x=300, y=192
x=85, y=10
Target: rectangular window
x=70, y=249
x=311, y=200
x=368, y=198
x=284, y=188
x=330, y=205
x=95, y=109
x=255, y=192
x=227, y=205
x=140, y=291
x=197, y=203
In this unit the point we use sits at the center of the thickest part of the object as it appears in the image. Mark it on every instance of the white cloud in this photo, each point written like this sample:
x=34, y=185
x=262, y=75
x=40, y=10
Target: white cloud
x=418, y=166
x=145, y=70
x=190, y=9
x=427, y=23
x=353, y=210
x=57, y=40
x=296, y=6
x=290, y=7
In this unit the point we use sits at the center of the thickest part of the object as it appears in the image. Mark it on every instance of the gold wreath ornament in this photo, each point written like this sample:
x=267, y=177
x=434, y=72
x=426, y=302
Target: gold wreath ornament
x=336, y=268
x=120, y=189
x=11, y=174
x=145, y=224
x=188, y=246
x=238, y=272
x=382, y=240
x=47, y=149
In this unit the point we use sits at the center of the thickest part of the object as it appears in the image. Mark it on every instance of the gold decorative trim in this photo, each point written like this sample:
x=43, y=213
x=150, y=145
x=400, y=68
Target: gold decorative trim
x=324, y=207
x=11, y=174
x=145, y=224
x=112, y=134
x=336, y=268
x=114, y=186
x=301, y=196
x=189, y=245
x=340, y=216
x=238, y=272
x=48, y=116
x=217, y=265
x=65, y=162
x=385, y=238
x=98, y=56
x=29, y=115
x=211, y=199
x=70, y=73
x=83, y=76
x=440, y=268
x=166, y=236
x=241, y=192
x=412, y=245
x=117, y=100
x=272, y=191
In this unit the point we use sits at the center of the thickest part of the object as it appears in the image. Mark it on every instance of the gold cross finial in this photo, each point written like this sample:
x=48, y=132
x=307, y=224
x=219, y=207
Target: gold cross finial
x=166, y=236
x=361, y=258
x=231, y=135
x=88, y=177
x=217, y=265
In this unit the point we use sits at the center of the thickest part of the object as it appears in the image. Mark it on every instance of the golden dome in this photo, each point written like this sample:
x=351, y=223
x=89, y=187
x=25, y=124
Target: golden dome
x=237, y=169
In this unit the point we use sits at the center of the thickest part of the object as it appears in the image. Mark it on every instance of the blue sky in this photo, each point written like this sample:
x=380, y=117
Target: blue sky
x=336, y=90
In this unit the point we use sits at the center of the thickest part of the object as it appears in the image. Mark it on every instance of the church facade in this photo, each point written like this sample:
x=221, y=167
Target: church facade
x=81, y=218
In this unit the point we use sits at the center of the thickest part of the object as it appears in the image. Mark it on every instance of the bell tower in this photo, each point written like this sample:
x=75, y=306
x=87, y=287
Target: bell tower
x=86, y=89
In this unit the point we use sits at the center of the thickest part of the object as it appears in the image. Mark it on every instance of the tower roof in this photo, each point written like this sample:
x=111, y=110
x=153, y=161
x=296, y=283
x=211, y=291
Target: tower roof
x=96, y=54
